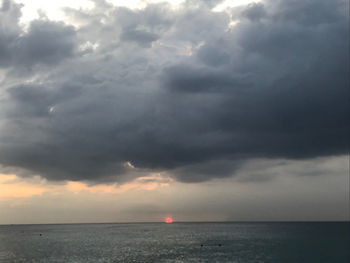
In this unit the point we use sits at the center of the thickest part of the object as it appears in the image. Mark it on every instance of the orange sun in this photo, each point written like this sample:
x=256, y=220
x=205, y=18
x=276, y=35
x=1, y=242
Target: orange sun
x=168, y=220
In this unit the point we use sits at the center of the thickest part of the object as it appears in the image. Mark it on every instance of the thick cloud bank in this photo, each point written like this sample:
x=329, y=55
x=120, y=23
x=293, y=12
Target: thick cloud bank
x=186, y=91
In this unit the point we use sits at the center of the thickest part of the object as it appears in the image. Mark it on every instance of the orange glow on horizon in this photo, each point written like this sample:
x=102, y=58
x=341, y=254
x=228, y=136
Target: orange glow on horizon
x=137, y=184
x=13, y=186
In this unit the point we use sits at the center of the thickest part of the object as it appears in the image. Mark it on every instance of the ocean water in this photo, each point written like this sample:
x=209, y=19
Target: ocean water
x=177, y=242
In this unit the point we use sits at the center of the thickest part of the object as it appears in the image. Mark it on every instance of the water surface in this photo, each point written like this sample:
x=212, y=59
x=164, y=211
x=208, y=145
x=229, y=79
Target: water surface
x=177, y=242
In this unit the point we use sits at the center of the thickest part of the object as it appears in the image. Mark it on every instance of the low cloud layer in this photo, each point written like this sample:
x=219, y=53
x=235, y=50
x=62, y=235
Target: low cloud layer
x=187, y=91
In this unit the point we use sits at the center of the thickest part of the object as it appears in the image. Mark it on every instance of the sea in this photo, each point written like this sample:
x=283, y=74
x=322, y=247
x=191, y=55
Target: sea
x=176, y=242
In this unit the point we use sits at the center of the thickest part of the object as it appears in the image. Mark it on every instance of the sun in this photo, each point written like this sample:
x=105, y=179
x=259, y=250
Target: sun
x=168, y=220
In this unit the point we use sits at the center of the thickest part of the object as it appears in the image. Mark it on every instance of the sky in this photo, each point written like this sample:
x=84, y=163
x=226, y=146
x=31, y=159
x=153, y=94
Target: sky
x=212, y=110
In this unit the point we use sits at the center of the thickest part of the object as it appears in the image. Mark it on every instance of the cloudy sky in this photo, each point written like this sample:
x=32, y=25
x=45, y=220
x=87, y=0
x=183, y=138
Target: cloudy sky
x=114, y=110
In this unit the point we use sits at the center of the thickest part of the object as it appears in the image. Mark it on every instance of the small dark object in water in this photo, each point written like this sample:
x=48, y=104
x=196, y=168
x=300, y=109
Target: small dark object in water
x=201, y=245
x=40, y=234
x=219, y=245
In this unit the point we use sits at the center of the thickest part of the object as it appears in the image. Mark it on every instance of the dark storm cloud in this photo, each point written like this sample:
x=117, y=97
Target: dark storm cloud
x=254, y=11
x=45, y=42
x=200, y=101
x=200, y=172
x=182, y=78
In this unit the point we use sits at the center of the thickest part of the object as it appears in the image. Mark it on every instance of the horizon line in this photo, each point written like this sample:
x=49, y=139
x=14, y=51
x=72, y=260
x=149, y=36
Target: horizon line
x=174, y=222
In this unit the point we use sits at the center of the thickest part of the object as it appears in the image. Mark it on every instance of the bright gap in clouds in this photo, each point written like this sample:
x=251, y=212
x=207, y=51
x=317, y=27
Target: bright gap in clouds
x=138, y=4
x=143, y=3
x=232, y=3
x=53, y=9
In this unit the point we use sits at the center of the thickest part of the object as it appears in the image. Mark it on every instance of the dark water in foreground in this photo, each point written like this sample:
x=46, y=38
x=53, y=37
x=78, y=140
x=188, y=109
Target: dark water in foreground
x=177, y=242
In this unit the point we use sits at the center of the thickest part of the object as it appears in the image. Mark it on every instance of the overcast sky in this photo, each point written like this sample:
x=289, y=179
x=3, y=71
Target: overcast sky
x=199, y=110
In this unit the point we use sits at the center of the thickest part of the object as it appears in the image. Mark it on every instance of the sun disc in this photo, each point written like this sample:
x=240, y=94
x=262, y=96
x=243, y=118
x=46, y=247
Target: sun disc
x=168, y=220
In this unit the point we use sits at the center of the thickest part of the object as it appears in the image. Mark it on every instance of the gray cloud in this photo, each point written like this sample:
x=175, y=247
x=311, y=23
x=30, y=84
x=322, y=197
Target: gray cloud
x=197, y=103
x=46, y=42
x=139, y=36
x=9, y=17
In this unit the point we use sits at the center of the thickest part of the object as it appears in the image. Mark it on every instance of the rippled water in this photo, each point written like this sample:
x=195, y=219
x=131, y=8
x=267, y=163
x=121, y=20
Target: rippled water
x=177, y=242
